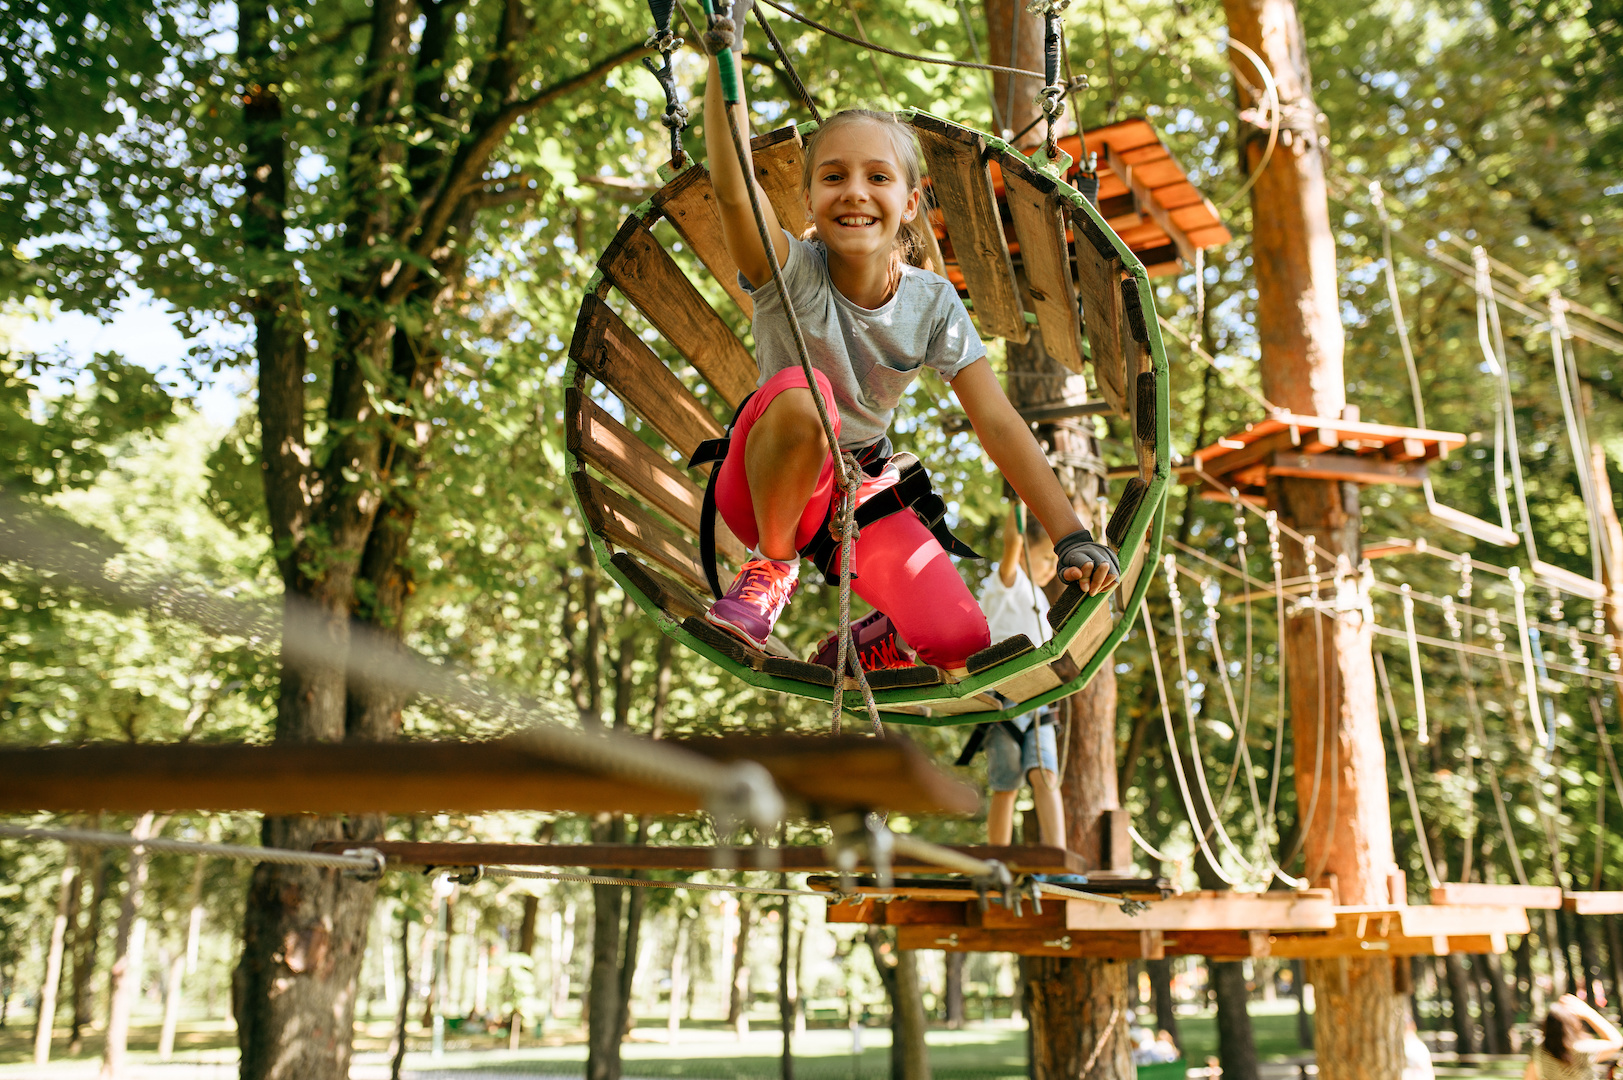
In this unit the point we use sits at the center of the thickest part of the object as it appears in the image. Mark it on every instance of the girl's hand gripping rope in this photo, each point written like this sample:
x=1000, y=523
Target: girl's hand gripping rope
x=1087, y=562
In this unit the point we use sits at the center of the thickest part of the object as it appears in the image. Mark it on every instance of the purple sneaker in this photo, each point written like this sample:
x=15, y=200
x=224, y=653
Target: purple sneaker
x=752, y=604
x=877, y=648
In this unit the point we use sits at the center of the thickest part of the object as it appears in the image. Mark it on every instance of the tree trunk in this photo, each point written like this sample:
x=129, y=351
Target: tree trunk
x=786, y=1003
x=397, y=1050
x=953, y=992
x=899, y=972
x=124, y=980
x=679, y=980
x=1304, y=1019
x=1346, y=817
x=1459, y=1004
x=171, y=1003
x=1527, y=989
x=1236, y=1044
x=603, y=988
x=87, y=943
x=1166, y=1012
x=738, y=987
x=53, y=961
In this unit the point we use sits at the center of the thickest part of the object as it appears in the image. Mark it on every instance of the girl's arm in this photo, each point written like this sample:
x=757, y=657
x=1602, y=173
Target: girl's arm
x=738, y=226
x=1011, y=446
x=1610, y=1041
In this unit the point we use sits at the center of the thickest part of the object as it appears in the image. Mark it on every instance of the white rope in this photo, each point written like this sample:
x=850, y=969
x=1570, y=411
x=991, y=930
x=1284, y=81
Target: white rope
x=365, y=860
x=641, y=883
x=1408, y=779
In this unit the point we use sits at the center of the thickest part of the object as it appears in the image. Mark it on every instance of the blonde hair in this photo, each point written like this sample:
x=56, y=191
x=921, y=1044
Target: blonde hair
x=913, y=244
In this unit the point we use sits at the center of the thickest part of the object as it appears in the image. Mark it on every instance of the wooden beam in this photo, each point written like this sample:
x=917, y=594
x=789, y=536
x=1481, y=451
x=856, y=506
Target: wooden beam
x=688, y=202
x=1453, y=920
x=1332, y=946
x=1128, y=945
x=818, y=773
x=1309, y=909
x=1477, y=892
x=1357, y=470
x=1217, y=944
x=1594, y=903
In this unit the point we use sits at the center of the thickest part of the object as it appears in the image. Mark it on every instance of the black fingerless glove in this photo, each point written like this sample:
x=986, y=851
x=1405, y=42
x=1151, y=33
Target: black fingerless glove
x=1081, y=550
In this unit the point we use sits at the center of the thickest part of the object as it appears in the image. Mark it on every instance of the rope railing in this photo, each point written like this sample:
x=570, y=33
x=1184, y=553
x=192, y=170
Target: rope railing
x=362, y=861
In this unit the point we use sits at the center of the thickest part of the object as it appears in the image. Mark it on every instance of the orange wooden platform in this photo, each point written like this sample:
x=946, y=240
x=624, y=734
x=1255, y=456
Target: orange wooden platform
x=1289, y=444
x=1144, y=194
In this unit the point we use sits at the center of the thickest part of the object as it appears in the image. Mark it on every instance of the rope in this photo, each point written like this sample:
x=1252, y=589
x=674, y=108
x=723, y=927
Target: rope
x=1099, y=1047
x=364, y=861
x=915, y=57
x=1177, y=758
x=845, y=465
x=1211, y=362
x=1276, y=116
x=1408, y=780
x=1415, y=677
x=1577, y=435
x=789, y=67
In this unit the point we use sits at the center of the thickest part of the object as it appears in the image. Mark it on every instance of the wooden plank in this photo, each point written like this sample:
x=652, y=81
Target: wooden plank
x=1217, y=944
x=1594, y=903
x=962, y=185
x=778, y=157
x=1039, y=225
x=673, y=598
x=624, y=524
x=648, y=277
x=514, y=773
x=1357, y=470
x=689, y=203
x=1330, y=946
x=1091, y=636
x=1144, y=945
x=609, y=445
x=1478, y=892
x=1029, y=683
x=1098, y=280
x=1454, y=920
x=1141, y=186
x=1218, y=461
x=608, y=350
x=1309, y=909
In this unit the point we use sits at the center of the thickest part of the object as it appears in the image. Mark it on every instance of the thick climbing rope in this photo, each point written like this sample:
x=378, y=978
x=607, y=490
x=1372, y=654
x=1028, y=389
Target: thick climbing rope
x=850, y=476
x=362, y=861
x=788, y=66
x=1408, y=778
x=735, y=792
x=873, y=47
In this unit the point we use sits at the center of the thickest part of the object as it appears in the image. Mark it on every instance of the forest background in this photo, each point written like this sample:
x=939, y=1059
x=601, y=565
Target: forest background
x=393, y=209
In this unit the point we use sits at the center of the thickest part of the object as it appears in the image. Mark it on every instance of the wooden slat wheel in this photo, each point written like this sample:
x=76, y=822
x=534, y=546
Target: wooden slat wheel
x=656, y=368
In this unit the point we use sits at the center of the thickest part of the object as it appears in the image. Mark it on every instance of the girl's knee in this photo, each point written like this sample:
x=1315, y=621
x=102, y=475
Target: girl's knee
x=948, y=643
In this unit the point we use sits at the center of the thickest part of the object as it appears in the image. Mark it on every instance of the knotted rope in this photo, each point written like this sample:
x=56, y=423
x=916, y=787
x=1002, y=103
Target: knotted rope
x=845, y=466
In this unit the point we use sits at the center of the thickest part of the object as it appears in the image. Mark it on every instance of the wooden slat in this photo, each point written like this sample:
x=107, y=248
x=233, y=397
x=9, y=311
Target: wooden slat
x=1028, y=684
x=778, y=157
x=1594, y=903
x=1091, y=636
x=1439, y=920
x=962, y=185
x=1478, y=892
x=1098, y=280
x=1135, y=338
x=1040, y=227
x=1333, y=946
x=1140, y=180
x=648, y=277
x=849, y=772
x=614, y=355
x=607, y=444
x=673, y=597
x=689, y=204
x=1358, y=470
x=1143, y=945
x=625, y=524
x=1309, y=909
x=1224, y=944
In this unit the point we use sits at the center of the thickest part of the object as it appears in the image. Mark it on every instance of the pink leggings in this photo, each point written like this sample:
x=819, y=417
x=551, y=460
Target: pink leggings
x=901, y=569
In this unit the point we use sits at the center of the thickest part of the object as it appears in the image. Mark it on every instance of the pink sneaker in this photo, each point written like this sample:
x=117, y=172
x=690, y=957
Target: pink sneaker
x=751, y=606
x=877, y=648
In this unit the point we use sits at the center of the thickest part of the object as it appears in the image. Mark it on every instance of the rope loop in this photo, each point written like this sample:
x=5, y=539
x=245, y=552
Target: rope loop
x=719, y=37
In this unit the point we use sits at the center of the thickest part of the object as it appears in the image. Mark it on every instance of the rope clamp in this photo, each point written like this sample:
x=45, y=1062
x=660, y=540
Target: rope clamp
x=368, y=873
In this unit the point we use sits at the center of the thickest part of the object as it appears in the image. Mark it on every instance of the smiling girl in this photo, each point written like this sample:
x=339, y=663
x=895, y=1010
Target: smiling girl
x=873, y=318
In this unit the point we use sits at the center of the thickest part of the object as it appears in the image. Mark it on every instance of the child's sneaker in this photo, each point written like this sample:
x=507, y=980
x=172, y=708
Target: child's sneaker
x=874, y=637
x=751, y=606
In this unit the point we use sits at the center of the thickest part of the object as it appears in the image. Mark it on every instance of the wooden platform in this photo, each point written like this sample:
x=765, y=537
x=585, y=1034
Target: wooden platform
x=1223, y=926
x=1289, y=444
x=1145, y=196
x=817, y=774
x=1479, y=893
x=1594, y=903
x=1020, y=859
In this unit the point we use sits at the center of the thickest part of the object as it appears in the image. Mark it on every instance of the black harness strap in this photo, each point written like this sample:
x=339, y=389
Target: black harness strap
x=977, y=738
x=913, y=491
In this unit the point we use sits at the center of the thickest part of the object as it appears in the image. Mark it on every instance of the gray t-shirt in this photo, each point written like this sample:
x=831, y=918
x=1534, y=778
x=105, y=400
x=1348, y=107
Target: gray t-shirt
x=869, y=356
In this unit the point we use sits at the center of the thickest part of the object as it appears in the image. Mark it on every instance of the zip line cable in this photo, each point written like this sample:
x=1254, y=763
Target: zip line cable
x=915, y=57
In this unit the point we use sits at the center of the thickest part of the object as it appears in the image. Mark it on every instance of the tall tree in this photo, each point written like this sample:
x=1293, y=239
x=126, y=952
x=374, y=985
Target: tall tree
x=1340, y=764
